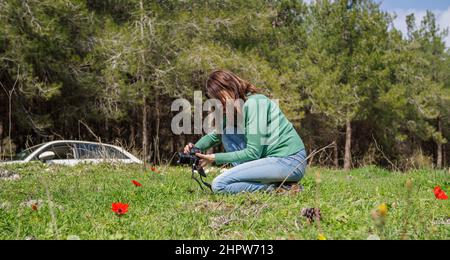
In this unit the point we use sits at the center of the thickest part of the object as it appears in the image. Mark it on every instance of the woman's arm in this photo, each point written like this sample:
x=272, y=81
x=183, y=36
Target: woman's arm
x=208, y=141
x=254, y=148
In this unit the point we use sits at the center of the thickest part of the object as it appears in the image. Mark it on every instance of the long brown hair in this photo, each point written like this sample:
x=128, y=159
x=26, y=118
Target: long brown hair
x=223, y=80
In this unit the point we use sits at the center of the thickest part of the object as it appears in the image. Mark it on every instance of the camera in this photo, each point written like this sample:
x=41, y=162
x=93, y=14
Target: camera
x=189, y=158
x=192, y=160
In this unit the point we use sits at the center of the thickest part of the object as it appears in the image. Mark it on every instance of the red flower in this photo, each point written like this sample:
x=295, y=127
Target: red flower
x=137, y=184
x=437, y=190
x=120, y=208
x=440, y=194
x=154, y=169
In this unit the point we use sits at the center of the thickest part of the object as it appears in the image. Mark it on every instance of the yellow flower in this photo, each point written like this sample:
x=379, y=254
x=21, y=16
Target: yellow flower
x=322, y=237
x=383, y=210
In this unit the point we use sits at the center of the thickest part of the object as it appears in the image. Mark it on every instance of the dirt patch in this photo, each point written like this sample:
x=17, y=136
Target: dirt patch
x=6, y=175
x=217, y=223
x=38, y=204
x=289, y=189
x=211, y=206
x=31, y=203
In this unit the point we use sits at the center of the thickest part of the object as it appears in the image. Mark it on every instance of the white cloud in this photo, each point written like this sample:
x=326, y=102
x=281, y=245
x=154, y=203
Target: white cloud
x=442, y=18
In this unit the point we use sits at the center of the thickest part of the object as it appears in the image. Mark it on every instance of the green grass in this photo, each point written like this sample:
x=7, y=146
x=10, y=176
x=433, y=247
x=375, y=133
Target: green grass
x=171, y=206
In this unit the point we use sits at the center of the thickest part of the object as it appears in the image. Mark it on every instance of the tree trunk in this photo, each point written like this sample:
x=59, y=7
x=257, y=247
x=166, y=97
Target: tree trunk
x=144, y=131
x=107, y=131
x=157, y=158
x=444, y=155
x=336, y=154
x=172, y=144
x=1, y=139
x=132, y=138
x=439, y=147
x=348, y=146
x=10, y=124
x=145, y=143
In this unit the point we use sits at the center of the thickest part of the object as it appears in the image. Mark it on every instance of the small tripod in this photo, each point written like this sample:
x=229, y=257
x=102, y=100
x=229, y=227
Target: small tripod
x=201, y=173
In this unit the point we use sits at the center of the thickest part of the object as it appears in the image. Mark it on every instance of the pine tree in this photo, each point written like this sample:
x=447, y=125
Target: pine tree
x=345, y=48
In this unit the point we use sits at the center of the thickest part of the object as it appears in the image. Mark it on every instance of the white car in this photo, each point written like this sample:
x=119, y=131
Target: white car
x=74, y=152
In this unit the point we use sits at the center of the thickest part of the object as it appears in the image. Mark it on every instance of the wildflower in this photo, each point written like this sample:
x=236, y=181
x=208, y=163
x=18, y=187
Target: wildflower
x=437, y=190
x=383, y=210
x=154, y=169
x=321, y=237
x=379, y=215
x=440, y=194
x=137, y=184
x=120, y=208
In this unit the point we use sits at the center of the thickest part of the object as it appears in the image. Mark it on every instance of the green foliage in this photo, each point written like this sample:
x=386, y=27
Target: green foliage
x=344, y=57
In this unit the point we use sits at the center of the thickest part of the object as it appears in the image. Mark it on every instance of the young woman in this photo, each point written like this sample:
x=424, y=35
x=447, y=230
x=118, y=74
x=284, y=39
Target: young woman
x=259, y=165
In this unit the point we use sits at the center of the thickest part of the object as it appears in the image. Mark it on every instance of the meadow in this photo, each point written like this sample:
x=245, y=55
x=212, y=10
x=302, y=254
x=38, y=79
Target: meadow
x=57, y=202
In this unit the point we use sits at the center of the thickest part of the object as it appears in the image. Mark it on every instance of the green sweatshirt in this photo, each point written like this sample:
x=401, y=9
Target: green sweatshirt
x=268, y=133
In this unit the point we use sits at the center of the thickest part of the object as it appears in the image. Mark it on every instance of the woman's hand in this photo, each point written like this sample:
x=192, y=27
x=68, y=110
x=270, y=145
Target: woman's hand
x=206, y=158
x=187, y=148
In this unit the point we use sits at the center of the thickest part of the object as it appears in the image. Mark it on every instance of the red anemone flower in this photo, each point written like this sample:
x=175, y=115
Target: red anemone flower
x=137, y=184
x=154, y=169
x=437, y=190
x=440, y=194
x=120, y=208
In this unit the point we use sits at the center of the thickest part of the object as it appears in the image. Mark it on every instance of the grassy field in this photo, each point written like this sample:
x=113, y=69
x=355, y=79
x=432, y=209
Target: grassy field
x=55, y=202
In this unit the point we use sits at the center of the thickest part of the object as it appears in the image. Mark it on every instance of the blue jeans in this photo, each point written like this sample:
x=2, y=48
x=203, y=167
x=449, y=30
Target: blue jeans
x=259, y=175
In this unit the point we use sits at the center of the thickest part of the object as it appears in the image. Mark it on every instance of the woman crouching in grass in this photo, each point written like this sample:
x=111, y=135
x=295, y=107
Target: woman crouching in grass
x=265, y=152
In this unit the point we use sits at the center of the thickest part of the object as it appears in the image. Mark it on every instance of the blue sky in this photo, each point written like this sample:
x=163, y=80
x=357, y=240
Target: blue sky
x=402, y=8
x=416, y=4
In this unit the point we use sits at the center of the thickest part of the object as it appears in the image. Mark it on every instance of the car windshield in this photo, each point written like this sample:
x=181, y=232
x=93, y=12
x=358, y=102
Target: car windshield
x=95, y=151
x=25, y=153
